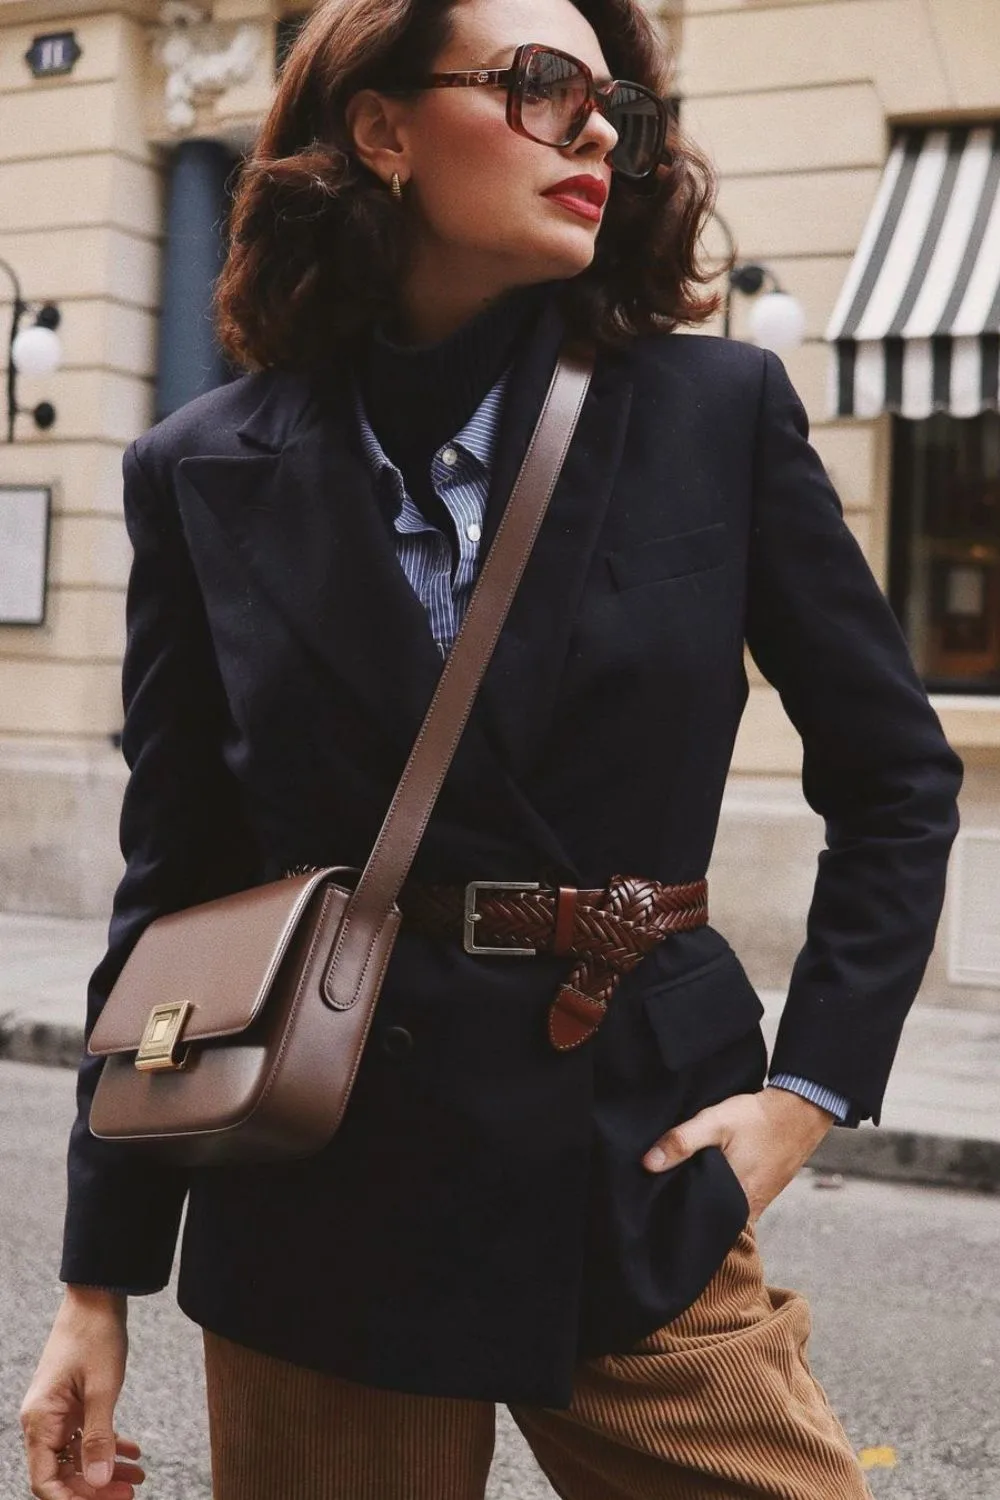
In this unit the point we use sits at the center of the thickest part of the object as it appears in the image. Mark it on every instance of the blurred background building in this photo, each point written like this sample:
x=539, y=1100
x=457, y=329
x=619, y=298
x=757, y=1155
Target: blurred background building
x=858, y=146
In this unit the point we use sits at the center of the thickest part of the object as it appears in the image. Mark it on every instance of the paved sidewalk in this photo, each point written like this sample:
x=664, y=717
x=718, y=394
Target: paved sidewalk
x=940, y=1123
x=45, y=963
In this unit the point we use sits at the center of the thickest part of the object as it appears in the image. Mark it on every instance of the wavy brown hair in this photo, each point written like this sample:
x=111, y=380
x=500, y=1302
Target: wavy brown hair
x=317, y=244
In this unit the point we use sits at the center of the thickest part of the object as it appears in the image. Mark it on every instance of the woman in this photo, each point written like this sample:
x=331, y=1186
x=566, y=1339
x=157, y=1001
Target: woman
x=432, y=207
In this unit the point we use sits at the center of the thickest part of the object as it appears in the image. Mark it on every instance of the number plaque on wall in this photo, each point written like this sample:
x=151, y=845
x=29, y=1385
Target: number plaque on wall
x=55, y=53
x=24, y=553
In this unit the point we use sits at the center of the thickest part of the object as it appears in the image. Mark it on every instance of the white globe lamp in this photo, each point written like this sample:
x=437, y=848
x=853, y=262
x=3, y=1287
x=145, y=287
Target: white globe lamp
x=36, y=351
x=777, y=321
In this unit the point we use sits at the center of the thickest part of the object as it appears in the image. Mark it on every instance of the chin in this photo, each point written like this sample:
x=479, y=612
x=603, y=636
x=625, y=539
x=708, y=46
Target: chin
x=570, y=255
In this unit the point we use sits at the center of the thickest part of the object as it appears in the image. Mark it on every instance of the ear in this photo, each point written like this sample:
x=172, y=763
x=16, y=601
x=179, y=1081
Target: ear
x=375, y=123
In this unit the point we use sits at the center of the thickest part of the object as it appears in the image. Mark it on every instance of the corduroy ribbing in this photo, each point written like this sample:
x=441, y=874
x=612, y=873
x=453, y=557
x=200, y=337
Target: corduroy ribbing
x=719, y=1405
x=280, y=1431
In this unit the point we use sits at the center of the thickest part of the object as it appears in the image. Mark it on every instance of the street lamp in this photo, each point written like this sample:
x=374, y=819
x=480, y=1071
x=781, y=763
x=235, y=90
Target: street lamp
x=777, y=320
x=35, y=350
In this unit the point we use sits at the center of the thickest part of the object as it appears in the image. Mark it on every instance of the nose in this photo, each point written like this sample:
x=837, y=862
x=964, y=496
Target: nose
x=597, y=139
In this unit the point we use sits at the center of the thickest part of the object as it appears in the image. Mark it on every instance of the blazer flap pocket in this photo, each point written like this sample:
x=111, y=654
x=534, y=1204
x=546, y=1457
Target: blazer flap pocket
x=695, y=1014
x=669, y=556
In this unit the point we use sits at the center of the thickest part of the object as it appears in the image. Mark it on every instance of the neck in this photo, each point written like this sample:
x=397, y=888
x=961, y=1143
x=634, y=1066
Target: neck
x=443, y=291
x=419, y=395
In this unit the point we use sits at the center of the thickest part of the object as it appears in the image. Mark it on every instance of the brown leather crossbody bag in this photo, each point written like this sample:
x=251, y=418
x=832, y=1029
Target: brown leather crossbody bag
x=235, y=1029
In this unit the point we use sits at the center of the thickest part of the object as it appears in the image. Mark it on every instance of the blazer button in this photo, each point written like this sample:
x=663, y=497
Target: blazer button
x=397, y=1041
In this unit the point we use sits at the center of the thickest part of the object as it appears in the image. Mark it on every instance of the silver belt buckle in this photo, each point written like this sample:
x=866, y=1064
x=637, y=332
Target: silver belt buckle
x=472, y=916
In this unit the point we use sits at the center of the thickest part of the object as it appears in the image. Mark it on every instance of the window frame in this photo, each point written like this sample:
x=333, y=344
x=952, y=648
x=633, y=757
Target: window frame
x=904, y=529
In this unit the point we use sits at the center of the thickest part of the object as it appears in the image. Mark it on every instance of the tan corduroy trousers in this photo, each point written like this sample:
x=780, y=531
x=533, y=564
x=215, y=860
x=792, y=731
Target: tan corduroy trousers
x=719, y=1404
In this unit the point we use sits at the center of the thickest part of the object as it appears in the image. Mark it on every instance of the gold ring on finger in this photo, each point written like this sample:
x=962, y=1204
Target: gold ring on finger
x=66, y=1454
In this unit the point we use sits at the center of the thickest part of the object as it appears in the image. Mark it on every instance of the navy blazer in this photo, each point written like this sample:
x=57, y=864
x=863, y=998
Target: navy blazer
x=482, y=1218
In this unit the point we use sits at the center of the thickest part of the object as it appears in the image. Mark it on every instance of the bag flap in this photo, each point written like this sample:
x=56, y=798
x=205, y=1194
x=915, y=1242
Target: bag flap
x=221, y=957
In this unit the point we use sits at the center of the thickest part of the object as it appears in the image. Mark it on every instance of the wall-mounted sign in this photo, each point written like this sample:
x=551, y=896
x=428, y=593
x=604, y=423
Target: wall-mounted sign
x=24, y=553
x=52, y=54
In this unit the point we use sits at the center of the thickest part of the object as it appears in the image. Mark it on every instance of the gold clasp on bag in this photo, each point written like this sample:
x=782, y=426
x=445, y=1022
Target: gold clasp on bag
x=159, y=1040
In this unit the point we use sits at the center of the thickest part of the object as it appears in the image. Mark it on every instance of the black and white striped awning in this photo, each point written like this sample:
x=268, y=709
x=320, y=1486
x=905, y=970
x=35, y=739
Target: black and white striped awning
x=916, y=328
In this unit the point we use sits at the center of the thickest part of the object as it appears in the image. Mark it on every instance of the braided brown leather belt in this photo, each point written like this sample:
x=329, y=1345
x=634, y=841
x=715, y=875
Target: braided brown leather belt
x=607, y=931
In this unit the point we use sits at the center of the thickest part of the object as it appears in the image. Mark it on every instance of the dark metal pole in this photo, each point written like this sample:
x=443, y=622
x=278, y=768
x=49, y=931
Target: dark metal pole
x=748, y=277
x=20, y=307
x=727, y=308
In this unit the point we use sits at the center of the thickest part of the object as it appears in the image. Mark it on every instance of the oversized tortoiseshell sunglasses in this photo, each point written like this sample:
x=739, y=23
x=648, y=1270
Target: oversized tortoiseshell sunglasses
x=551, y=95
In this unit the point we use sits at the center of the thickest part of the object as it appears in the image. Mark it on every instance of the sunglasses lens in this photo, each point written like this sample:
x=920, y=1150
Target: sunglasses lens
x=638, y=117
x=553, y=98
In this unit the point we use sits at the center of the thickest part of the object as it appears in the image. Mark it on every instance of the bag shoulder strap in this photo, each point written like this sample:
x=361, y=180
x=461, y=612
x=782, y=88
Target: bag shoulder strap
x=395, y=848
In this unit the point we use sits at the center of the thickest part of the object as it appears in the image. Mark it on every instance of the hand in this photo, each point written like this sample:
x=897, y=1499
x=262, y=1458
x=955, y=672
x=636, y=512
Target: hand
x=74, y=1390
x=765, y=1137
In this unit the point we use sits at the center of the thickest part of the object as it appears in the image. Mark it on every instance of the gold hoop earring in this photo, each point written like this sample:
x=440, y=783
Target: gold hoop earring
x=396, y=187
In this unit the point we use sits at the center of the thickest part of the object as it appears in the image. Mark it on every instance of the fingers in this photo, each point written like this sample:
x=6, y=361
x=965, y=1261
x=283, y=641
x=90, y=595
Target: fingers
x=44, y=1473
x=125, y=1470
x=77, y=1488
x=128, y=1473
x=46, y=1433
x=56, y=1474
x=97, y=1453
x=99, y=1444
x=707, y=1128
x=67, y=1415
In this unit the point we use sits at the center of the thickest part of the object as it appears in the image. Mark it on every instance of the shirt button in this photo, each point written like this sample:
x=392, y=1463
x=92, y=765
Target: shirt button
x=473, y=532
x=397, y=1042
x=449, y=456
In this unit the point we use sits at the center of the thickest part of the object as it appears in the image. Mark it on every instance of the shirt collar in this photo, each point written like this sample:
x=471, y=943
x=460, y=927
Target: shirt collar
x=477, y=439
x=374, y=453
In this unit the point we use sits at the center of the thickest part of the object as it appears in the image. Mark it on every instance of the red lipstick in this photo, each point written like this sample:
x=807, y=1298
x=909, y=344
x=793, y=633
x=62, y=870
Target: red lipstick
x=585, y=195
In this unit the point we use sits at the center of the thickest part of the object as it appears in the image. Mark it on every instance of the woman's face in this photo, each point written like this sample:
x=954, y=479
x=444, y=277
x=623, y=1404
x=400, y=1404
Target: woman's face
x=480, y=195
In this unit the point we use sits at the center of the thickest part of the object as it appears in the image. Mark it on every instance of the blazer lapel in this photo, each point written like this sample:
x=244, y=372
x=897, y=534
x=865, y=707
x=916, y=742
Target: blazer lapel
x=300, y=510
x=520, y=689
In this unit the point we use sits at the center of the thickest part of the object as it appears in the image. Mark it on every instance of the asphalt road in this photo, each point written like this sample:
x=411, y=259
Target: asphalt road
x=904, y=1284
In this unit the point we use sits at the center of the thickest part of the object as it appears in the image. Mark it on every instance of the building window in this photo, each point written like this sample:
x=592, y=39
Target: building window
x=945, y=550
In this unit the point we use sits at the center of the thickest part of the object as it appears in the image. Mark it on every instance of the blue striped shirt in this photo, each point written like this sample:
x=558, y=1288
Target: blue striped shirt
x=460, y=475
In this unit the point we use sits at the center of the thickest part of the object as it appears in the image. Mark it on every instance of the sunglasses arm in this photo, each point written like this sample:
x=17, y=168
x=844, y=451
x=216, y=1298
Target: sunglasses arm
x=466, y=80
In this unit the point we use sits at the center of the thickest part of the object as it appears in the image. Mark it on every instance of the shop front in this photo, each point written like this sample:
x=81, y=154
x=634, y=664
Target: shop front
x=858, y=148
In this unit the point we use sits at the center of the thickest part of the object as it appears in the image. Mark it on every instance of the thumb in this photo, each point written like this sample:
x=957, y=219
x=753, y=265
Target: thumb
x=97, y=1447
x=681, y=1142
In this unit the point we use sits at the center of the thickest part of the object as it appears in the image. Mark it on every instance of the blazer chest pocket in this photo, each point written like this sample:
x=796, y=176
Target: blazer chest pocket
x=669, y=557
x=695, y=1014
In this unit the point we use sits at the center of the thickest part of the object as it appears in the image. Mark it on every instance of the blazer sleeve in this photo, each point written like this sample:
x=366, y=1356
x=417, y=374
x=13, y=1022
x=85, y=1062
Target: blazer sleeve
x=184, y=840
x=876, y=765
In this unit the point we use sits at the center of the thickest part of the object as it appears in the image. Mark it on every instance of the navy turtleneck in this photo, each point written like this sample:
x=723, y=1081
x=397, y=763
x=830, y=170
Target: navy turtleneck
x=417, y=397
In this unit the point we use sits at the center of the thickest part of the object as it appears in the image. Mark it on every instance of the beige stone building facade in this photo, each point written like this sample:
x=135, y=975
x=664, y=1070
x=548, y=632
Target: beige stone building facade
x=798, y=102
x=85, y=159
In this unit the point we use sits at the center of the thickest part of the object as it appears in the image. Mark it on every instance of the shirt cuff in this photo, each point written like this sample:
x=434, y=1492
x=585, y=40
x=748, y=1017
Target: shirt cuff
x=826, y=1098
